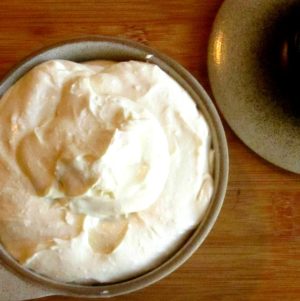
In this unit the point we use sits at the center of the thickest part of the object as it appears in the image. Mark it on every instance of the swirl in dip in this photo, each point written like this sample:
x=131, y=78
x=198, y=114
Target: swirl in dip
x=104, y=167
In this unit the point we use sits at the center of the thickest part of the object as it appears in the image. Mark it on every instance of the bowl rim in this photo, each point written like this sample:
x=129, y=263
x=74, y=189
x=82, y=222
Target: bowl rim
x=221, y=169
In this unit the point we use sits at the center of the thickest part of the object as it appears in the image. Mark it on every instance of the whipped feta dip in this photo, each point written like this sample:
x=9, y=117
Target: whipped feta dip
x=105, y=168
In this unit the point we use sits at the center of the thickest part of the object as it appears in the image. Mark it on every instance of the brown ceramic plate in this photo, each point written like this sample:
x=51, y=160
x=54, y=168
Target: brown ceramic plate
x=32, y=285
x=248, y=79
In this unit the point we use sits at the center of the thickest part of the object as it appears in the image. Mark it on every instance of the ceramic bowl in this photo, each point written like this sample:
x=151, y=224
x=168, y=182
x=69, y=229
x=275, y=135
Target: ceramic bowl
x=254, y=75
x=34, y=285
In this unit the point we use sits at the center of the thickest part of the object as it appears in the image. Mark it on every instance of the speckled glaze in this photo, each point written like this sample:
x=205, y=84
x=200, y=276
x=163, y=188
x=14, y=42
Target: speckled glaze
x=31, y=285
x=246, y=82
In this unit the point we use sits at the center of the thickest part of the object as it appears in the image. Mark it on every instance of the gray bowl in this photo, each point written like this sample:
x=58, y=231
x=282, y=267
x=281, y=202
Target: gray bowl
x=32, y=285
x=246, y=70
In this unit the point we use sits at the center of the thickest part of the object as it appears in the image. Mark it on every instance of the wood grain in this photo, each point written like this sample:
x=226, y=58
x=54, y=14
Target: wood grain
x=253, y=250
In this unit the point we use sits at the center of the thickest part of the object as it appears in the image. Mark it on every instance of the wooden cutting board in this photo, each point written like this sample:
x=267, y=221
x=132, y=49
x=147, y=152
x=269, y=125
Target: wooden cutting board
x=253, y=252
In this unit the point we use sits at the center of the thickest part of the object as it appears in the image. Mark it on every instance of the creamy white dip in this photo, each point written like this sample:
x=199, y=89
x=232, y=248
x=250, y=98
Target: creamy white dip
x=104, y=168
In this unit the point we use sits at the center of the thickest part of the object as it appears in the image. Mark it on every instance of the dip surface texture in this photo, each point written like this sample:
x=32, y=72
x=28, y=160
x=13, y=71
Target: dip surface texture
x=105, y=169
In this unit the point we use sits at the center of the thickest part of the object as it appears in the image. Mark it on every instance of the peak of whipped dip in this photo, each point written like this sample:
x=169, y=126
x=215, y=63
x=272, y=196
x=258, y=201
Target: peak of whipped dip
x=105, y=169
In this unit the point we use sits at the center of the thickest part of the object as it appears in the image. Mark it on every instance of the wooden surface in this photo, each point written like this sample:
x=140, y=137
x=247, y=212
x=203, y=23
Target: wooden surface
x=253, y=252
